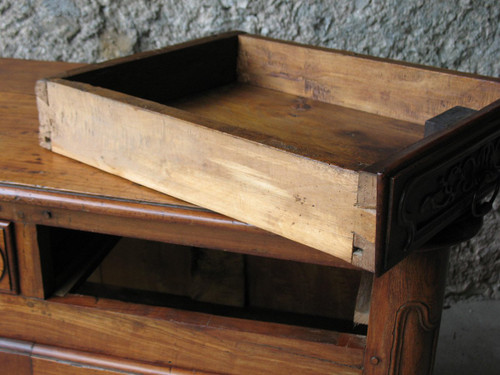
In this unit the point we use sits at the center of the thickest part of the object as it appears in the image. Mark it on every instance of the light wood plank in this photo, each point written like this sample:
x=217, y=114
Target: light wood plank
x=240, y=178
x=332, y=134
x=398, y=90
x=25, y=163
x=362, y=309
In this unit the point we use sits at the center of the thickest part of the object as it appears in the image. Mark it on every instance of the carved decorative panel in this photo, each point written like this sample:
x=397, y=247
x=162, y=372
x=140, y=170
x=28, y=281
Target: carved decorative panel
x=414, y=334
x=454, y=176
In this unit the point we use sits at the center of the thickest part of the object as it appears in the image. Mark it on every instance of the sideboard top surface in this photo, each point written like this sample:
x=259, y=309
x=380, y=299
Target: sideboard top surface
x=25, y=163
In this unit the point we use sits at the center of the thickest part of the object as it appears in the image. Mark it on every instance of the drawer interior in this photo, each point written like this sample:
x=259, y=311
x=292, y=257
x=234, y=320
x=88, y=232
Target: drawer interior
x=333, y=106
x=230, y=85
x=200, y=280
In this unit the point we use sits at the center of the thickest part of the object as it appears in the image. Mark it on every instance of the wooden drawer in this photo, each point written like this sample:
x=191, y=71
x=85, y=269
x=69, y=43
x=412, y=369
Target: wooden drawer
x=324, y=147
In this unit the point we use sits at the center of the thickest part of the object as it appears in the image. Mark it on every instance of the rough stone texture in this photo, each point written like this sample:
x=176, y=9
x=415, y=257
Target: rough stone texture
x=474, y=271
x=468, y=339
x=459, y=34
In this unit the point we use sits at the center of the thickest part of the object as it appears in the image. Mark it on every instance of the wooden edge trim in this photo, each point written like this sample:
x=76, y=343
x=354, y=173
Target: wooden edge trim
x=361, y=56
x=42, y=207
x=242, y=34
x=183, y=115
x=206, y=320
x=116, y=207
x=88, y=360
x=16, y=346
x=469, y=147
x=405, y=156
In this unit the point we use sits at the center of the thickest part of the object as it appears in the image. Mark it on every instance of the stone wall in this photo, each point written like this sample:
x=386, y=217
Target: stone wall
x=459, y=34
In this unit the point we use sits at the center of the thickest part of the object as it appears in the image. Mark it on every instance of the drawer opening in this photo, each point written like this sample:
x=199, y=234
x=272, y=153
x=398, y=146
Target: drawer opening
x=201, y=280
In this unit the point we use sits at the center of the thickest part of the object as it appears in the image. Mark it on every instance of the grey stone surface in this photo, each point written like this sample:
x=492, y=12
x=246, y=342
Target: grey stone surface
x=468, y=339
x=474, y=271
x=455, y=34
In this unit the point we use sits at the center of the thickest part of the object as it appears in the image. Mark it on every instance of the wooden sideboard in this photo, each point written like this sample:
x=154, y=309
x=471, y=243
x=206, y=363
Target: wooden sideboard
x=67, y=305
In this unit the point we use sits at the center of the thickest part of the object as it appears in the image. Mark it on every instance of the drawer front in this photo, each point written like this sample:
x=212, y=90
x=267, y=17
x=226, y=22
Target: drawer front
x=446, y=179
x=8, y=266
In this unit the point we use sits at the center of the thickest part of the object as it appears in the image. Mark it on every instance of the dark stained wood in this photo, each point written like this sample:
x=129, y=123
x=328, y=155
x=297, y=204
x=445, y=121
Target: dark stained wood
x=302, y=288
x=178, y=71
x=446, y=119
x=50, y=360
x=8, y=259
x=22, y=357
x=15, y=363
x=178, y=338
x=183, y=228
x=440, y=179
x=15, y=357
x=386, y=87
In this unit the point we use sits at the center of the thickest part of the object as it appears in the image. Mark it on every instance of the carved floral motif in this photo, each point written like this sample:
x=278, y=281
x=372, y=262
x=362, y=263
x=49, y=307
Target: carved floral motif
x=450, y=179
x=475, y=172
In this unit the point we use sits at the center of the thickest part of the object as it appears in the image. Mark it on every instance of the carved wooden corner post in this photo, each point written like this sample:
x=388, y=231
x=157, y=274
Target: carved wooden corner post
x=406, y=311
x=437, y=199
x=407, y=303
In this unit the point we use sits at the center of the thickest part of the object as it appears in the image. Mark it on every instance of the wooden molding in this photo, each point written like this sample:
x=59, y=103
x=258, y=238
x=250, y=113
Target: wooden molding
x=413, y=323
x=441, y=179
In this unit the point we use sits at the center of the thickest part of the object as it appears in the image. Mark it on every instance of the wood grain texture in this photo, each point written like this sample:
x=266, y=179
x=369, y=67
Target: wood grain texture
x=259, y=186
x=284, y=156
x=449, y=177
x=301, y=288
x=19, y=76
x=50, y=360
x=177, y=226
x=332, y=134
x=18, y=364
x=398, y=90
x=404, y=326
x=179, y=339
x=22, y=357
x=15, y=357
x=30, y=263
x=25, y=163
x=35, y=176
x=8, y=259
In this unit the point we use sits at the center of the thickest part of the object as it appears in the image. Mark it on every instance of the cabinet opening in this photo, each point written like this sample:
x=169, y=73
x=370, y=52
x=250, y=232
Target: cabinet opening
x=202, y=280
